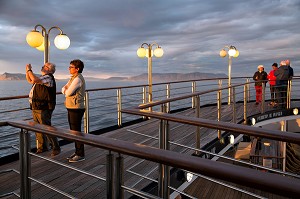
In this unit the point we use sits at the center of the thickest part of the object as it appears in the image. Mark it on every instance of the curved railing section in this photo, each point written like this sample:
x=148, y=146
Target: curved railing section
x=274, y=183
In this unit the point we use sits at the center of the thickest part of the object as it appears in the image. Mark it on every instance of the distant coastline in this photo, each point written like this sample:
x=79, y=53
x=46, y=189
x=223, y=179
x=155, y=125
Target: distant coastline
x=156, y=77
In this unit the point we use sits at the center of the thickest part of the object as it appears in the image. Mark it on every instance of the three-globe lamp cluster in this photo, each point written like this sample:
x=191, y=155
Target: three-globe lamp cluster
x=36, y=40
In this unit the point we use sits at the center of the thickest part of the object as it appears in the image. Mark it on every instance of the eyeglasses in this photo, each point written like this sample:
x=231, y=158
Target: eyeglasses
x=71, y=67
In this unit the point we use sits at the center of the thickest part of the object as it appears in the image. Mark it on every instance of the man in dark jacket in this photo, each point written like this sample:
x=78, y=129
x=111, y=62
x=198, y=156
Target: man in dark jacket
x=42, y=98
x=283, y=74
x=260, y=77
x=291, y=70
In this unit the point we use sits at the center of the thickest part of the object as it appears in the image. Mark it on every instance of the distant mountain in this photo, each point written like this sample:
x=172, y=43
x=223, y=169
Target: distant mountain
x=156, y=77
x=12, y=76
x=117, y=78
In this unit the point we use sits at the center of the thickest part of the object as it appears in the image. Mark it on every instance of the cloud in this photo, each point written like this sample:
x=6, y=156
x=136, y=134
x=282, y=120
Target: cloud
x=106, y=34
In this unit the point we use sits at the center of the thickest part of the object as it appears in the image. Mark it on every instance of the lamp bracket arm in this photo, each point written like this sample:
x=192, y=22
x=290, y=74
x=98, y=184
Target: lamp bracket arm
x=56, y=27
x=43, y=29
x=154, y=43
x=148, y=45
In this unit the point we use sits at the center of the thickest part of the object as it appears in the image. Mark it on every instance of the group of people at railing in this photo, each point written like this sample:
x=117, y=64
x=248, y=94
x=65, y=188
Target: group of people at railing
x=42, y=99
x=278, y=79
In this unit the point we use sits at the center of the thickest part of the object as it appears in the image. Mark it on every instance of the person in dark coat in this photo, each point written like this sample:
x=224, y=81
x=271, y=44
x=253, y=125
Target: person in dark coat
x=260, y=77
x=283, y=74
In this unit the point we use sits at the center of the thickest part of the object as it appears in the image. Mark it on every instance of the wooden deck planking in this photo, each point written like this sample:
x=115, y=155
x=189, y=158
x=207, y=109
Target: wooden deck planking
x=83, y=186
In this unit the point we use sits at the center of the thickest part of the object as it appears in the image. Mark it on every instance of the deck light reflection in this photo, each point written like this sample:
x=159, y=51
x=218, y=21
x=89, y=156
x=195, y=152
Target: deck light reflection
x=253, y=121
x=295, y=111
x=267, y=143
x=231, y=139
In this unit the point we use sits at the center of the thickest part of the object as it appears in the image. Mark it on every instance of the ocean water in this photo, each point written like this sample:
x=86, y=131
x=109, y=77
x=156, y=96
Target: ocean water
x=20, y=87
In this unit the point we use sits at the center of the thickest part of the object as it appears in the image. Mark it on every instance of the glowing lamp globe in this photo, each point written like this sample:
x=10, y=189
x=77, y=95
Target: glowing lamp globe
x=223, y=53
x=231, y=52
x=158, y=52
x=34, y=38
x=237, y=53
x=141, y=52
x=62, y=41
x=42, y=47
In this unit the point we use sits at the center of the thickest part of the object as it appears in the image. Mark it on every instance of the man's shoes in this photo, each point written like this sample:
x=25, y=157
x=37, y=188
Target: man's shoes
x=55, y=152
x=77, y=158
x=71, y=156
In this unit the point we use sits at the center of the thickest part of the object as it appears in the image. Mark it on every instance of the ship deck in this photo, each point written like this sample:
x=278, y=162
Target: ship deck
x=83, y=186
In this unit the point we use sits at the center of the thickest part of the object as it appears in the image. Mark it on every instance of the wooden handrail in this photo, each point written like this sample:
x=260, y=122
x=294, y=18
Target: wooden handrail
x=241, y=175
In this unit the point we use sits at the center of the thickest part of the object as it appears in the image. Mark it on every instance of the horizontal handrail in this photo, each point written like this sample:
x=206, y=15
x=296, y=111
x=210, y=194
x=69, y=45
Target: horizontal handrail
x=147, y=105
x=244, y=176
x=220, y=125
x=123, y=87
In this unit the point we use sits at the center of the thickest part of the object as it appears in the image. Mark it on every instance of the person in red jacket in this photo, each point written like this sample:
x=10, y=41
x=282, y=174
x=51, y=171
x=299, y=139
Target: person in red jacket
x=272, y=81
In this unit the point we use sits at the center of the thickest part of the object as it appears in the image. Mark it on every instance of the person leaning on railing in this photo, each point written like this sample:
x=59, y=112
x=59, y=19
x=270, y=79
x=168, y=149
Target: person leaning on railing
x=74, y=92
x=260, y=78
x=42, y=98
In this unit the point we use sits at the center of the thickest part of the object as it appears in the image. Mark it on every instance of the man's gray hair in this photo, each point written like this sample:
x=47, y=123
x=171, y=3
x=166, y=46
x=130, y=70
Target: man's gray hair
x=52, y=67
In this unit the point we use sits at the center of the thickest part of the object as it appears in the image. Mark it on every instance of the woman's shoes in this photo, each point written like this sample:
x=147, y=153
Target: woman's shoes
x=77, y=158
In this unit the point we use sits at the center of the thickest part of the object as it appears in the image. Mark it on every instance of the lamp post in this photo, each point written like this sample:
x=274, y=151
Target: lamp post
x=41, y=42
x=148, y=52
x=232, y=52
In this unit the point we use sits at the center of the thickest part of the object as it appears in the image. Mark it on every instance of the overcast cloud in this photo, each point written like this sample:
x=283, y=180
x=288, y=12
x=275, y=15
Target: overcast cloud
x=106, y=34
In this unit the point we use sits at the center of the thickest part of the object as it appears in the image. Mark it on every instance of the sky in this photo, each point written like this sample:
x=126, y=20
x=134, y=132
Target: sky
x=105, y=35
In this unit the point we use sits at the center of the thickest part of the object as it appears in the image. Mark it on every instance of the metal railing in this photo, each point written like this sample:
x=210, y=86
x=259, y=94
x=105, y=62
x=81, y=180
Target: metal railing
x=240, y=94
x=104, y=106
x=231, y=173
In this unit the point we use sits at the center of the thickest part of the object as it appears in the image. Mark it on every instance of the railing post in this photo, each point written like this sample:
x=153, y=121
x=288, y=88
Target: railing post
x=233, y=105
x=119, y=104
x=289, y=93
x=197, y=115
x=248, y=89
x=86, y=113
x=193, y=91
x=166, y=167
x=109, y=175
x=245, y=103
x=25, y=165
x=162, y=168
x=263, y=98
x=119, y=177
x=168, y=96
x=144, y=97
x=283, y=128
x=220, y=83
x=219, y=106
